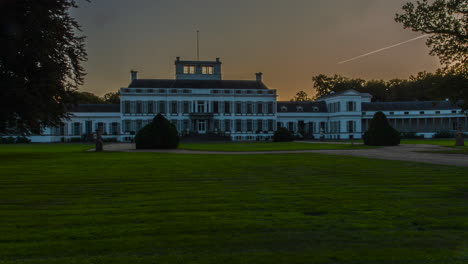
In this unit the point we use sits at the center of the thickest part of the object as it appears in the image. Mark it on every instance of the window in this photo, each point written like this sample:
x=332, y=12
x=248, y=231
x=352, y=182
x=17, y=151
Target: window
x=363, y=113
x=127, y=126
x=207, y=70
x=238, y=108
x=127, y=107
x=454, y=111
x=259, y=92
x=200, y=106
x=227, y=91
x=150, y=107
x=216, y=125
x=270, y=125
x=186, y=91
x=186, y=107
x=162, y=91
x=227, y=107
x=392, y=113
x=351, y=106
x=249, y=108
x=437, y=112
x=138, y=90
x=238, y=125
x=114, y=128
x=259, y=108
x=89, y=127
x=189, y=69
x=406, y=113
x=351, y=126
x=421, y=113
x=101, y=127
x=215, y=107
x=270, y=108
x=174, y=107
x=138, y=107
x=227, y=125
x=259, y=125
x=238, y=91
x=291, y=126
x=315, y=109
x=215, y=91
x=150, y=90
x=300, y=109
x=249, y=125
x=162, y=107
x=284, y=109
x=174, y=91
x=139, y=124
x=76, y=129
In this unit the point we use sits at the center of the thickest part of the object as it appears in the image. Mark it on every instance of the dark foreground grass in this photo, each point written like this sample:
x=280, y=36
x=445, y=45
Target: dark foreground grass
x=66, y=206
x=267, y=146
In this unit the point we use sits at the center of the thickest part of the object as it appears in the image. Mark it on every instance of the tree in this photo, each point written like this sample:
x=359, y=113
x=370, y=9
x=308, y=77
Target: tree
x=41, y=60
x=159, y=134
x=86, y=98
x=301, y=96
x=324, y=84
x=380, y=133
x=447, y=23
x=112, y=98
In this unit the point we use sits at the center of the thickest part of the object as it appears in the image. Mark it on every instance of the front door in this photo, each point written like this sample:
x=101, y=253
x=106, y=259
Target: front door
x=201, y=126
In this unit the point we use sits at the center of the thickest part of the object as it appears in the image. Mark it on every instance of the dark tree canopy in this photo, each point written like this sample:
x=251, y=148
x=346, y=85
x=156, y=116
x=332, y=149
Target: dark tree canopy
x=301, y=96
x=450, y=83
x=447, y=23
x=112, y=98
x=283, y=135
x=41, y=60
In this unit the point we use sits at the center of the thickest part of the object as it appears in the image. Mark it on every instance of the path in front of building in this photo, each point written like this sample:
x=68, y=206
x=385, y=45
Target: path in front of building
x=404, y=152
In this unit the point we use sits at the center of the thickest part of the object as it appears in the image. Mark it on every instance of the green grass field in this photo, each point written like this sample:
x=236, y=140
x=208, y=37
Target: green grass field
x=267, y=146
x=59, y=204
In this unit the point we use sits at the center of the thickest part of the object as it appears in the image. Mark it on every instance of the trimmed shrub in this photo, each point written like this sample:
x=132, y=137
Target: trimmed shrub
x=444, y=134
x=283, y=135
x=380, y=133
x=159, y=134
x=410, y=135
x=22, y=140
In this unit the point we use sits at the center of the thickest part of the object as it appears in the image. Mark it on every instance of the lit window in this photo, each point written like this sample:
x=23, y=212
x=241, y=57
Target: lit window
x=189, y=69
x=207, y=69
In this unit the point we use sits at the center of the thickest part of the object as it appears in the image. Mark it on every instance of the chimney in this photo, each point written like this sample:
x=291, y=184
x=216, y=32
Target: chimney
x=259, y=76
x=177, y=58
x=134, y=75
x=217, y=59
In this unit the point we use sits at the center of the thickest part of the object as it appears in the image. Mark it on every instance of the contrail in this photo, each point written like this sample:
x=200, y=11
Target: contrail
x=382, y=49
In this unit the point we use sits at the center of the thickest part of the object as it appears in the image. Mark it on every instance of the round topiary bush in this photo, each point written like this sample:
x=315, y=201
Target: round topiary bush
x=380, y=133
x=283, y=135
x=159, y=134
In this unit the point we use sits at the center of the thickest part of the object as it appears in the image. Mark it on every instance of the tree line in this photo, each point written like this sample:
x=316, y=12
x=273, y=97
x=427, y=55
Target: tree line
x=90, y=98
x=425, y=86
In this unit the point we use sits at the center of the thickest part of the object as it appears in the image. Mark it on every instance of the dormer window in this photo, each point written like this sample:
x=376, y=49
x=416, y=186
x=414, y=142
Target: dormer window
x=300, y=109
x=284, y=109
x=189, y=69
x=207, y=70
x=315, y=109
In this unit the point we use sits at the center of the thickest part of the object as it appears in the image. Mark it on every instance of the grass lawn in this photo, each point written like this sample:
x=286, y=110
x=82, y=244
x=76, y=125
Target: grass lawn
x=266, y=146
x=59, y=204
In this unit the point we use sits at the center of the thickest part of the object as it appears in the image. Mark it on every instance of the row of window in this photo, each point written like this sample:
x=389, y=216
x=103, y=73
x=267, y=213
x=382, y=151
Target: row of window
x=89, y=127
x=185, y=107
x=205, y=69
x=187, y=91
x=420, y=112
x=218, y=125
x=298, y=109
x=351, y=106
x=313, y=127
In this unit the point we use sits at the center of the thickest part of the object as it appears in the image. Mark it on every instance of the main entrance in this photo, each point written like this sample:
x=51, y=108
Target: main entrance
x=201, y=125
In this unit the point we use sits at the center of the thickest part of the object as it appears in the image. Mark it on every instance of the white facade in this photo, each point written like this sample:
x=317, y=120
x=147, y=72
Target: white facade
x=198, y=102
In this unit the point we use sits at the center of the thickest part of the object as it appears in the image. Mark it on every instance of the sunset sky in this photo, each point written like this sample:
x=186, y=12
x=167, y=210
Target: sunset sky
x=288, y=40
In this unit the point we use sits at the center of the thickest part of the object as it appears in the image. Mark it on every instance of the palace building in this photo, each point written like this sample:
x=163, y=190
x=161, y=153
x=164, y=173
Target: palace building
x=199, y=102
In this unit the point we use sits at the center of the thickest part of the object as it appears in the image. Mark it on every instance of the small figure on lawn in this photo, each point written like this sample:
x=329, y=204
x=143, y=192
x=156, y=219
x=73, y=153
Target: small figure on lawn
x=459, y=140
x=99, y=142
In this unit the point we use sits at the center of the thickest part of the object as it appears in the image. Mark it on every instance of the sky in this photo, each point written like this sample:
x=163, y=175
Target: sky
x=290, y=41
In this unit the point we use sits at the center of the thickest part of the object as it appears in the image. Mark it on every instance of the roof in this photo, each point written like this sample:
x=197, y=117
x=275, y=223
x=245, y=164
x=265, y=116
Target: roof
x=401, y=106
x=307, y=106
x=349, y=92
x=197, y=84
x=104, y=108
